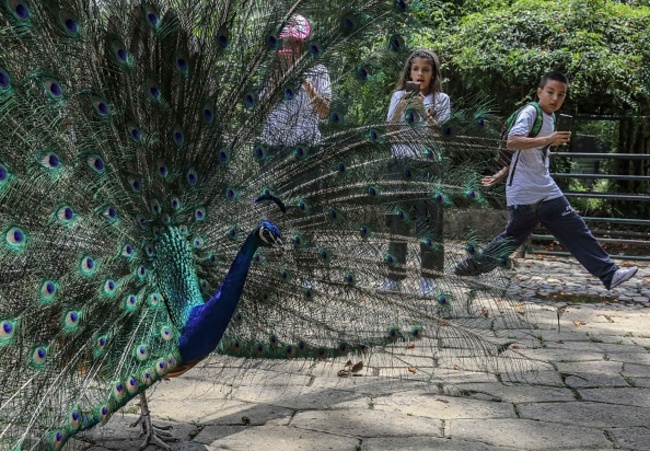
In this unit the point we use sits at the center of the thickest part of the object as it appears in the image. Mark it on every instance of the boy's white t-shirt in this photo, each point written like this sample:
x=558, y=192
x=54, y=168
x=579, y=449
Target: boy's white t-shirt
x=441, y=105
x=529, y=180
x=296, y=121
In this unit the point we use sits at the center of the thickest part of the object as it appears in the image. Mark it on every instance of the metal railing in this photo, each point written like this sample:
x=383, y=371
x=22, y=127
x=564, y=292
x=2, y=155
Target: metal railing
x=628, y=237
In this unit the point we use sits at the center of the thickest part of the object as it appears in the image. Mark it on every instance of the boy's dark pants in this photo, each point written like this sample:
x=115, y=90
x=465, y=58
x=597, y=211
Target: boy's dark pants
x=557, y=216
x=427, y=215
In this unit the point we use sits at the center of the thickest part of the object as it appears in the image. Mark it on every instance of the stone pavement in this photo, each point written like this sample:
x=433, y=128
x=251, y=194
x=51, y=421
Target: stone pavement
x=591, y=390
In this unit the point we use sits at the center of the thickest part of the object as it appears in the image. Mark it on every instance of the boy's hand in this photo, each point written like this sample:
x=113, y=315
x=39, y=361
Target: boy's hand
x=492, y=180
x=559, y=138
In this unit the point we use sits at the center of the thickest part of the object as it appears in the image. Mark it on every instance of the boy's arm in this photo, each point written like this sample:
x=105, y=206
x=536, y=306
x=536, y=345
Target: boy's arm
x=525, y=143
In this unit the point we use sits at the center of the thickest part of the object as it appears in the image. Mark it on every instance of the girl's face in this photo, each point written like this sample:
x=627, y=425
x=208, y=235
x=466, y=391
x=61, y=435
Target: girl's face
x=422, y=72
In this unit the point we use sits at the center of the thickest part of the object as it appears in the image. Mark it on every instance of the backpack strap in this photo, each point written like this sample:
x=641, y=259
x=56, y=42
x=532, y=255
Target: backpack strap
x=504, y=156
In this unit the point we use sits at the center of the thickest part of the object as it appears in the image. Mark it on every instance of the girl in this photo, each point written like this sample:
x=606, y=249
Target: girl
x=422, y=102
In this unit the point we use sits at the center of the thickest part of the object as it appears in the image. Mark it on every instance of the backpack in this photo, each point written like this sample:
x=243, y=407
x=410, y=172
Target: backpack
x=505, y=154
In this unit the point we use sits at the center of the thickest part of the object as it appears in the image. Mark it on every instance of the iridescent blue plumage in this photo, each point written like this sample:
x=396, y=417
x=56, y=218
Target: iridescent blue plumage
x=206, y=323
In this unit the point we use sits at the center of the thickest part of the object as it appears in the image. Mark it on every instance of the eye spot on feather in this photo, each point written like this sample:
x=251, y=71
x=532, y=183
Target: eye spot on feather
x=373, y=135
x=166, y=333
x=402, y=5
x=363, y=73
x=147, y=377
x=71, y=320
x=127, y=251
x=200, y=214
x=69, y=23
x=51, y=161
x=223, y=38
x=100, y=344
x=19, y=10
x=7, y=330
x=53, y=88
x=289, y=94
x=161, y=367
x=396, y=43
x=390, y=259
x=192, y=177
x=74, y=418
x=272, y=42
x=315, y=49
x=142, y=352
x=349, y=23
x=118, y=391
x=130, y=302
x=87, y=265
x=100, y=106
x=16, y=238
x=57, y=439
x=48, y=290
x=141, y=271
x=442, y=299
x=96, y=163
x=336, y=118
x=261, y=152
x=5, y=81
x=104, y=413
x=132, y=385
x=153, y=90
x=39, y=354
x=135, y=184
x=179, y=136
x=232, y=233
x=4, y=175
x=109, y=287
x=65, y=214
x=154, y=299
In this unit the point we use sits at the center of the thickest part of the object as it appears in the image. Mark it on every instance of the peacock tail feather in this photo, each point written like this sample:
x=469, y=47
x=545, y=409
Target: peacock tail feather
x=130, y=157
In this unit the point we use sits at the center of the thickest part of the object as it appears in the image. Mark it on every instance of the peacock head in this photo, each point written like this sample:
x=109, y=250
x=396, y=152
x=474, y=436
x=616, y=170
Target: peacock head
x=269, y=234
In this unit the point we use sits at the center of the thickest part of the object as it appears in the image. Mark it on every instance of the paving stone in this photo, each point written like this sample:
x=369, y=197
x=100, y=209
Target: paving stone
x=517, y=393
x=425, y=444
x=367, y=423
x=527, y=434
x=624, y=396
x=586, y=414
x=286, y=439
x=443, y=407
x=632, y=438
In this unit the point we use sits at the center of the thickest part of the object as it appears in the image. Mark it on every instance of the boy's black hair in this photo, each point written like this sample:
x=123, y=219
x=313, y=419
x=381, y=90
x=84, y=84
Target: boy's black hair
x=555, y=76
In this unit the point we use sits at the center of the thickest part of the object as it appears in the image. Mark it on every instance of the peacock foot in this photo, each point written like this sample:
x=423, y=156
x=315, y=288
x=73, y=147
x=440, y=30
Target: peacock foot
x=154, y=435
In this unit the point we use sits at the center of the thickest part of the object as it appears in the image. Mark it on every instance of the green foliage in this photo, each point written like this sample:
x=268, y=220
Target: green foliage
x=604, y=48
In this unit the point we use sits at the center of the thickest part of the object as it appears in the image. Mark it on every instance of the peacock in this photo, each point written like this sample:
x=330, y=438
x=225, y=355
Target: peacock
x=146, y=226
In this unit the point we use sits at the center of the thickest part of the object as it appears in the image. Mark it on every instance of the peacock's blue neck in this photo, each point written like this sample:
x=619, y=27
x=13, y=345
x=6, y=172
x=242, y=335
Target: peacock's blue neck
x=208, y=322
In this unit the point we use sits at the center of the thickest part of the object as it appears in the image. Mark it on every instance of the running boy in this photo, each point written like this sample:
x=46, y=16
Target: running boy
x=533, y=197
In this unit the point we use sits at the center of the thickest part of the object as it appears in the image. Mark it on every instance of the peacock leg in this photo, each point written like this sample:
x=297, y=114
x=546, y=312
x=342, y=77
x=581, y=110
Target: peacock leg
x=155, y=435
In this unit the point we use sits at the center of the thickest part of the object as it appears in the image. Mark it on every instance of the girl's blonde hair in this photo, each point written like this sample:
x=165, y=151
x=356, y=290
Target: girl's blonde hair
x=435, y=85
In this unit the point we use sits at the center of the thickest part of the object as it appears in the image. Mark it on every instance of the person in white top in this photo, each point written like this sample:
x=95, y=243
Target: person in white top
x=295, y=119
x=425, y=105
x=533, y=197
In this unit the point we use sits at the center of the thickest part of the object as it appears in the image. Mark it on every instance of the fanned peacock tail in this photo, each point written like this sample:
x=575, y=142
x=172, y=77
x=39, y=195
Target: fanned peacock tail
x=129, y=161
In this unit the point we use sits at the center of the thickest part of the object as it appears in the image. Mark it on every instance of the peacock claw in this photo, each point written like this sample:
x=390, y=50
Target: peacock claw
x=154, y=435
